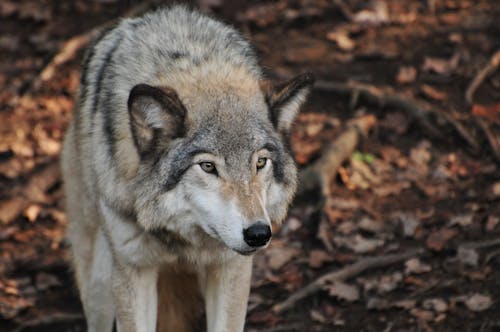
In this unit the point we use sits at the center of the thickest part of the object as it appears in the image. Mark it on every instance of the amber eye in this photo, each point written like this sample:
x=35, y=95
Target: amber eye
x=261, y=163
x=208, y=167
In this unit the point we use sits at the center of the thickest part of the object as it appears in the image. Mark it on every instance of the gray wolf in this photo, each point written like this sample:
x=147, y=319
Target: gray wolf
x=175, y=166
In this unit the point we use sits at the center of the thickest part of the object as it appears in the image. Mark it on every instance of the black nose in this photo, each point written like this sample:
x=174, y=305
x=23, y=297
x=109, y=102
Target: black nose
x=257, y=235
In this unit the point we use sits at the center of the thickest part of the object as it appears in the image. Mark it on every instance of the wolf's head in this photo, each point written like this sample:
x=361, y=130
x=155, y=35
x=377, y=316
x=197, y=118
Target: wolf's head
x=215, y=164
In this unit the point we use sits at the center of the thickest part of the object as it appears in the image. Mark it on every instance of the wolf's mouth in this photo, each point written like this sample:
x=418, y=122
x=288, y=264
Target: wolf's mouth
x=246, y=252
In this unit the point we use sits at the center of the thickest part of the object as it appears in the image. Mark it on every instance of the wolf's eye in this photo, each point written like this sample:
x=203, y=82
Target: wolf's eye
x=208, y=167
x=261, y=163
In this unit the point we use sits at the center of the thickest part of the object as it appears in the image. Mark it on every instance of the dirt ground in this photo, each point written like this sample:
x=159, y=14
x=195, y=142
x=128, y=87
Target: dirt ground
x=425, y=177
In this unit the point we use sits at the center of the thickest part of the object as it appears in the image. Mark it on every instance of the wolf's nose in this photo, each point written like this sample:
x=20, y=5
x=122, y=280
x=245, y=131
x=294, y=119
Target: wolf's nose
x=257, y=235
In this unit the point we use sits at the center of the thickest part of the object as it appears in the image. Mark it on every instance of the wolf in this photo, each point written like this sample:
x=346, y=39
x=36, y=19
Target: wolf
x=175, y=166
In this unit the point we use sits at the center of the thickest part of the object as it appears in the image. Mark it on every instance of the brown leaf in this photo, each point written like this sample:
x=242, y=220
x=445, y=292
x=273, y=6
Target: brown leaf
x=389, y=282
x=405, y=304
x=406, y=74
x=433, y=93
x=318, y=257
x=491, y=223
x=437, y=305
x=422, y=315
x=415, y=266
x=343, y=291
x=32, y=212
x=317, y=316
x=438, y=239
x=490, y=112
x=441, y=66
x=342, y=39
x=468, y=256
x=478, y=302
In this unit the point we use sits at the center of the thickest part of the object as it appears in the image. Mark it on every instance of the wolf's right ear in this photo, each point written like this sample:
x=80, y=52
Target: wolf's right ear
x=156, y=116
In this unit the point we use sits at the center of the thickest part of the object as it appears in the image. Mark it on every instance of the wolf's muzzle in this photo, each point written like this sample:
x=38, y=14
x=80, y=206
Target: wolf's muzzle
x=257, y=235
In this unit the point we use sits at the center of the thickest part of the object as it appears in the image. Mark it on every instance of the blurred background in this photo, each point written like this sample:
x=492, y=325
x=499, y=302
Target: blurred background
x=399, y=148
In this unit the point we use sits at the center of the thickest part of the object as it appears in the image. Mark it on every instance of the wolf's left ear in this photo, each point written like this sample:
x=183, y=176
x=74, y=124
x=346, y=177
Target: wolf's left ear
x=285, y=100
x=156, y=116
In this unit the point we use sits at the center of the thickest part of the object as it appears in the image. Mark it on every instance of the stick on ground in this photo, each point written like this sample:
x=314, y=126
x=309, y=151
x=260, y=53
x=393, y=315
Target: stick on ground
x=486, y=71
x=321, y=172
x=384, y=99
x=343, y=274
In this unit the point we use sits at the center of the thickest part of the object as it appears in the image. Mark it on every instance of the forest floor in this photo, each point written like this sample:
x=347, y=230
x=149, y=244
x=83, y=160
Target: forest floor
x=425, y=177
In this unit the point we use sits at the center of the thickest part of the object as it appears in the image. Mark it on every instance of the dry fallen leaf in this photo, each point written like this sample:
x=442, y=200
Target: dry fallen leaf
x=433, y=93
x=491, y=223
x=343, y=291
x=32, y=212
x=342, y=39
x=415, y=266
x=422, y=315
x=405, y=304
x=319, y=257
x=468, y=256
x=378, y=14
x=490, y=112
x=441, y=66
x=462, y=220
x=408, y=221
x=437, y=305
x=478, y=302
x=406, y=74
x=438, y=239
x=389, y=282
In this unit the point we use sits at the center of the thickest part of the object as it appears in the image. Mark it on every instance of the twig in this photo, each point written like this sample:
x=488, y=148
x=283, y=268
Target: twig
x=320, y=173
x=70, y=48
x=481, y=244
x=343, y=274
x=384, y=99
x=486, y=71
x=493, y=140
x=462, y=131
x=47, y=319
x=491, y=255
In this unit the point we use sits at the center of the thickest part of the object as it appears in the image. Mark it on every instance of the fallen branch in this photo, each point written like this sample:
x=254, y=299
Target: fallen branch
x=71, y=47
x=343, y=274
x=481, y=244
x=492, y=65
x=321, y=173
x=384, y=99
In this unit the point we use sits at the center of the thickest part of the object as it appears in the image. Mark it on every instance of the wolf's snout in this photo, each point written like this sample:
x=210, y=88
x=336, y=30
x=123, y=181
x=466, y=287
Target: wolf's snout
x=257, y=235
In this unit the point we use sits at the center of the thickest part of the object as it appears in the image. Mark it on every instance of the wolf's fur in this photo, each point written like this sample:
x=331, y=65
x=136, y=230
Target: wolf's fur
x=151, y=231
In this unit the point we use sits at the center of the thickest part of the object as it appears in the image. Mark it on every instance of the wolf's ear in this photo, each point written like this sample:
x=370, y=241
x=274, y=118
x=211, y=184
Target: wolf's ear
x=285, y=100
x=156, y=116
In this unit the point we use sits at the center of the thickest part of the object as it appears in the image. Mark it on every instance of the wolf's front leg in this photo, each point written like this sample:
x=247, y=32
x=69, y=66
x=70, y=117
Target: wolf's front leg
x=226, y=289
x=135, y=296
